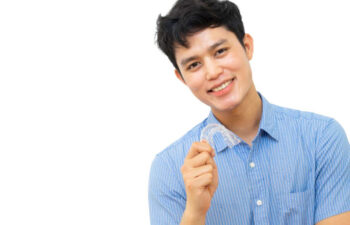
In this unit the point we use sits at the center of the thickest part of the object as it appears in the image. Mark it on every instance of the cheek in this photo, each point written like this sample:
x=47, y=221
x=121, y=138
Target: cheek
x=234, y=62
x=239, y=65
x=195, y=83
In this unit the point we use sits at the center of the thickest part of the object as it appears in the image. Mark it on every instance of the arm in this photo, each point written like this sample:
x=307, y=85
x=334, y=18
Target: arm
x=200, y=176
x=341, y=219
x=166, y=196
x=332, y=187
x=169, y=203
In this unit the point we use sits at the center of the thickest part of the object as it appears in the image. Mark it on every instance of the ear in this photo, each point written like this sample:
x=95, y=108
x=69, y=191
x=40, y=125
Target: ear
x=179, y=76
x=249, y=45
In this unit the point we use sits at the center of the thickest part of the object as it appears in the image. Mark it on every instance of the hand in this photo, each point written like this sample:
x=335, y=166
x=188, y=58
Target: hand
x=200, y=176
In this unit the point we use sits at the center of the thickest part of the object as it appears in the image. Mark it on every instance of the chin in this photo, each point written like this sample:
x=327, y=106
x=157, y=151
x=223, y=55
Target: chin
x=224, y=105
x=225, y=108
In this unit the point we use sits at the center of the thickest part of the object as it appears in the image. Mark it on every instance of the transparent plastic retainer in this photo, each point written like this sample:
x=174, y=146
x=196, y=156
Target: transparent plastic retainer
x=211, y=129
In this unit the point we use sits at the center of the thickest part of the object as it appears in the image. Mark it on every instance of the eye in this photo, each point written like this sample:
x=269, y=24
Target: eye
x=220, y=51
x=193, y=66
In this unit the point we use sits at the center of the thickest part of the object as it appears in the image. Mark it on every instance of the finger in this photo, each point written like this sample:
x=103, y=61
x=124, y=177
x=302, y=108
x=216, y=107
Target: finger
x=198, y=147
x=207, y=142
x=199, y=160
x=212, y=162
x=215, y=182
x=203, y=180
x=196, y=172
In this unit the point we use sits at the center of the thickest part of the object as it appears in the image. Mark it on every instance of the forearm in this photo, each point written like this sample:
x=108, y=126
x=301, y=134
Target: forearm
x=189, y=218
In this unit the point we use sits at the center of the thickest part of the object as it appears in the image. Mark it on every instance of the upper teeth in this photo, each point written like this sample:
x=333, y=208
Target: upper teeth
x=222, y=86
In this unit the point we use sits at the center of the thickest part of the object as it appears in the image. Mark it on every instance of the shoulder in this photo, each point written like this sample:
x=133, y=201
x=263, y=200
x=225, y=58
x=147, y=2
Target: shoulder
x=311, y=126
x=284, y=113
x=304, y=119
x=177, y=151
x=181, y=146
x=166, y=165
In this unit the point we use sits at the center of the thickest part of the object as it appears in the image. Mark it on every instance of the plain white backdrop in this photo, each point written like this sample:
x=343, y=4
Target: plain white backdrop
x=87, y=100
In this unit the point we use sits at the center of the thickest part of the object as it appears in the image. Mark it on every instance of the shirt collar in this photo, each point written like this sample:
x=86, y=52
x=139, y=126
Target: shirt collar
x=219, y=141
x=267, y=124
x=268, y=121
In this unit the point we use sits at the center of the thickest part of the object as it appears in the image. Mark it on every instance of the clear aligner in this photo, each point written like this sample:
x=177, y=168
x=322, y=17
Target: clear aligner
x=211, y=129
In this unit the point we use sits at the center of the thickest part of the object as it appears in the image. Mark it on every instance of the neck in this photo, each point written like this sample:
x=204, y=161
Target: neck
x=244, y=119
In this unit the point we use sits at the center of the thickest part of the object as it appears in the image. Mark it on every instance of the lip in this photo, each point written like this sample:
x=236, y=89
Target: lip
x=218, y=85
x=225, y=90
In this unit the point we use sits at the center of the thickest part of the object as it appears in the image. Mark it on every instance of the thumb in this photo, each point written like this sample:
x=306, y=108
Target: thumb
x=214, y=184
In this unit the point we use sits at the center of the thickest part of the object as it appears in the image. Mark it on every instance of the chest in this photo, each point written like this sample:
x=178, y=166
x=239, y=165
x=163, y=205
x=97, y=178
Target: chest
x=266, y=182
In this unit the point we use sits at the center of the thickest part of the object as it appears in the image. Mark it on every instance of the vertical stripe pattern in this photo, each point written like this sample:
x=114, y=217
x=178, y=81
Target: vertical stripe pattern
x=297, y=171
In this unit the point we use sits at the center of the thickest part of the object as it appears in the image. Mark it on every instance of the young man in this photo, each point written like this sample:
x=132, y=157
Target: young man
x=291, y=167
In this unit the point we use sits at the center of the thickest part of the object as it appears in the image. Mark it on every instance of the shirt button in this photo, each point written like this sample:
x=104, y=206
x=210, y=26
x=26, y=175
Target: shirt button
x=259, y=202
x=252, y=165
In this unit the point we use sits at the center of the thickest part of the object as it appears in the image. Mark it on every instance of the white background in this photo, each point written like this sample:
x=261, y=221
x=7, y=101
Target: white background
x=87, y=99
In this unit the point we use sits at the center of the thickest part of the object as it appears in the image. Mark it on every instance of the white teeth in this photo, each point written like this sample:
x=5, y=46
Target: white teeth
x=222, y=86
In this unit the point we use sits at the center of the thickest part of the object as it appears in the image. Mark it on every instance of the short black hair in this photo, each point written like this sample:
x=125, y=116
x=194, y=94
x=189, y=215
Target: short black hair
x=190, y=16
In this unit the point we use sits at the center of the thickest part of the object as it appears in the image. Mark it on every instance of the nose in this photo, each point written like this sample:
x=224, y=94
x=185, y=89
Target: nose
x=213, y=69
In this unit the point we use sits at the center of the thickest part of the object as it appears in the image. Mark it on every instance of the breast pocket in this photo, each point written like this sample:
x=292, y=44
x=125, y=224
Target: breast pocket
x=296, y=208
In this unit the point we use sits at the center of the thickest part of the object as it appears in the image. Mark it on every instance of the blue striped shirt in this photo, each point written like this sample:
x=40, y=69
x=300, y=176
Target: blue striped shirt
x=296, y=172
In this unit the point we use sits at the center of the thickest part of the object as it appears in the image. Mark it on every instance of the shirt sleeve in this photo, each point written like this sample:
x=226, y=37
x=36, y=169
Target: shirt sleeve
x=166, y=200
x=332, y=194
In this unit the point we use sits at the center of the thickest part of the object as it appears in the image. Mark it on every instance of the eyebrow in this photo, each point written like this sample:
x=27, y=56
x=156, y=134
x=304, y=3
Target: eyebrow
x=212, y=47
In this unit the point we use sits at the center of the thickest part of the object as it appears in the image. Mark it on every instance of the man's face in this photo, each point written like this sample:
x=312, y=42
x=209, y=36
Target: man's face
x=216, y=67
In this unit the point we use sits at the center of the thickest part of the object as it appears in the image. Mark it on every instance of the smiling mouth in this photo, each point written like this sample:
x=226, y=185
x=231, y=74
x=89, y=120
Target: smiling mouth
x=221, y=87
